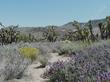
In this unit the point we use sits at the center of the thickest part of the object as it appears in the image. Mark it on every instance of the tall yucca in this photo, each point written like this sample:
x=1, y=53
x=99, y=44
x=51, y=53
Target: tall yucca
x=8, y=35
x=92, y=37
x=50, y=34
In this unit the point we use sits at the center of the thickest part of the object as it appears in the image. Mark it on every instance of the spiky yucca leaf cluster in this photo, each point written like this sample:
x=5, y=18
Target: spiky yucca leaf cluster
x=105, y=28
x=50, y=34
x=9, y=35
x=83, y=33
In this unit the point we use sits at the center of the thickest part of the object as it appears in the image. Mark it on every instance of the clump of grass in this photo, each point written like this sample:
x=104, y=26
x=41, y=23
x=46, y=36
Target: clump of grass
x=29, y=52
x=69, y=47
x=43, y=60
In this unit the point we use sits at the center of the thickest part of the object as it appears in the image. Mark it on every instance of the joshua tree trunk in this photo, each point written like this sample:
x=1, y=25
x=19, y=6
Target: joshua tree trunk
x=79, y=30
x=91, y=32
x=101, y=30
x=108, y=26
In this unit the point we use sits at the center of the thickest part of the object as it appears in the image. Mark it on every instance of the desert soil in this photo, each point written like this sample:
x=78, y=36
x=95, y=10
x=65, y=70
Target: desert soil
x=33, y=73
x=36, y=73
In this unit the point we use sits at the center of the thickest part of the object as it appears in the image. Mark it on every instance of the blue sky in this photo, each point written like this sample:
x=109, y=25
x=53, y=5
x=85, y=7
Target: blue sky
x=51, y=12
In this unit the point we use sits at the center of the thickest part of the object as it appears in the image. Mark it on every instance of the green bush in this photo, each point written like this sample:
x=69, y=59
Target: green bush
x=29, y=52
x=43, y=60
x=88, y=65
x=68, y=47
x=26, y=38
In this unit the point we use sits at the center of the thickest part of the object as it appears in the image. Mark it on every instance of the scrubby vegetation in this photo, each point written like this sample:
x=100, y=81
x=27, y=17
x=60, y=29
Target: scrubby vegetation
x=12, y=64
x=43, y=60
x=30, y=53
x=88, y=51
x=88, y=65
x=66, y=48
x=79, y=33
x=10, y=34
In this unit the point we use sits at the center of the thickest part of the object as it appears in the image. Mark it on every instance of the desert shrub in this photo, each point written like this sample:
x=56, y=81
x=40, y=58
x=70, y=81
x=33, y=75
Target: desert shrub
x=55, y=72
x=30, y=53
x=68, y=47
x=43, y=60
x=89, y=65
x=47, y=47
x=26, y=38
x=12, y=64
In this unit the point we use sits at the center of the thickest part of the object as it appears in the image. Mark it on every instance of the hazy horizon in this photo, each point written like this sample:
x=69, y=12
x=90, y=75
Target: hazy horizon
x=51, y=12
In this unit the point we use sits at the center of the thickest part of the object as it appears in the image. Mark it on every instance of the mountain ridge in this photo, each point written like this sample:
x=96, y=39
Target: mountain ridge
x=94, y=23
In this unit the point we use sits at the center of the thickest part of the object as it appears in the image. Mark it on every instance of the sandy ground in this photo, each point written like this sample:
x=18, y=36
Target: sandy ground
x=33, y=74
x=36, y=72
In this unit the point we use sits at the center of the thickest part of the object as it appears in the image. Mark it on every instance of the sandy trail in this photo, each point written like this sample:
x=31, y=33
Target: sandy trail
x=36, y=72
x=33, y=73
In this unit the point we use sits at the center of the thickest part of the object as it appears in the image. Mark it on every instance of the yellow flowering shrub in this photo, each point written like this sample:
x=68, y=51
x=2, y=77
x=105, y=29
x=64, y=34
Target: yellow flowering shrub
x=29, y=52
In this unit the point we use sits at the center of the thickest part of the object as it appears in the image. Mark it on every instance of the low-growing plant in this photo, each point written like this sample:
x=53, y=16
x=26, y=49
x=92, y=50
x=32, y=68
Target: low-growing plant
x=43, y=60
x=12, y=64
x=55, y=72
x=89, y=65
x=68, y=47
x=29, y=52
x=26, y=38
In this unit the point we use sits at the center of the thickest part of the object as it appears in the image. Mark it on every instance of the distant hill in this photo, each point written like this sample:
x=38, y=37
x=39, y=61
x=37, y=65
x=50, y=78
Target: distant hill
x=94, y=23
x=67, y=26
x=61, y=30
x=38, y=31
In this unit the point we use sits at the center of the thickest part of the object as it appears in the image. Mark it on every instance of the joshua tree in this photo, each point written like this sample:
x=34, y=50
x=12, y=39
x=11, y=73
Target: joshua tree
x=2, y=34
x=79, y=30
x=31, y=37
x=13, y=33
x=101, y=30
x=105, y=28
x=85, y=33
x=92, y=37
x=50, y=34
x=108, y=26
x=8, y=35
x=70, y=36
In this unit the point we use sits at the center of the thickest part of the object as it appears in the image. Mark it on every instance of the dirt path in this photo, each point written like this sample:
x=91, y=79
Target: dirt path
x=36, y=72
